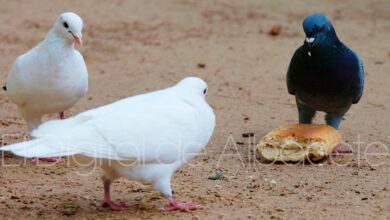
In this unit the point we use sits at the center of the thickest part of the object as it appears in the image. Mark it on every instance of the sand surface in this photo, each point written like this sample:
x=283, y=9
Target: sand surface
x=132, y=47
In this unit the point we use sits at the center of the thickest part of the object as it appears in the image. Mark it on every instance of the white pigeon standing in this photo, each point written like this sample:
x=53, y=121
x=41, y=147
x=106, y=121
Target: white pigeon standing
x=144, y=138
x=51, y=77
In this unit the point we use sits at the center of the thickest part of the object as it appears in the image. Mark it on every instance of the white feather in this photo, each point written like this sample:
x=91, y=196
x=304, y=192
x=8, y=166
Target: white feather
x=161, y=130
x=51, y=77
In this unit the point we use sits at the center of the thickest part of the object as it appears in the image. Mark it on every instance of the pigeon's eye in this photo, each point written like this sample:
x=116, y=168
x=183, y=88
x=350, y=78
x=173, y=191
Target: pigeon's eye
x=65, y=25
x=321, y=28
x=205, y=91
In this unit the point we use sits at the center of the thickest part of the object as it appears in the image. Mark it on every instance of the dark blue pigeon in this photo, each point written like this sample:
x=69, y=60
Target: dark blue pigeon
x=324, y=74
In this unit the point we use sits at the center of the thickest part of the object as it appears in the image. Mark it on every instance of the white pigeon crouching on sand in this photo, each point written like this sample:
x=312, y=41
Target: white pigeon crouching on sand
x=144, y=138
x=51, y=77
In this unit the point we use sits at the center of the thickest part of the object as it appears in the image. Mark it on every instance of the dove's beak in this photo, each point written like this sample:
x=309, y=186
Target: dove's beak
x=78, y=39
x=309, y=42
x=310, y=39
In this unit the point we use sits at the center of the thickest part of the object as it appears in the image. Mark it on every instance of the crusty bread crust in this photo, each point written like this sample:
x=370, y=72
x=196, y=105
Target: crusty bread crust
x=297, y=142
x=307, y=132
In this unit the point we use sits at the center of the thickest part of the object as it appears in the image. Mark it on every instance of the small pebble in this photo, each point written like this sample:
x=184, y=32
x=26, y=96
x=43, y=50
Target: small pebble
x=201, y=65
x=275, y=30
x=216, y=176
x=248, y=134
x=69, y=212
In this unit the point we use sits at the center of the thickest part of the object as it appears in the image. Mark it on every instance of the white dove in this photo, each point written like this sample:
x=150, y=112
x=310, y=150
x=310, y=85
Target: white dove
x=144, y=138
x=51, y=77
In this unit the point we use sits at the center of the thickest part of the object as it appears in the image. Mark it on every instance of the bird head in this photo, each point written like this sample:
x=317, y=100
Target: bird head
x=69, y=25
x=319, y=31
x=193, y=85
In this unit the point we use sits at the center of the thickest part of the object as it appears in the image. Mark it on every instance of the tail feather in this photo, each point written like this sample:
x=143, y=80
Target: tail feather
x=37, y=148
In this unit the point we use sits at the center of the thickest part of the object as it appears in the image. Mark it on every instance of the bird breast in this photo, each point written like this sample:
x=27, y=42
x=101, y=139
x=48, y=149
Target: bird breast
x=43, y=77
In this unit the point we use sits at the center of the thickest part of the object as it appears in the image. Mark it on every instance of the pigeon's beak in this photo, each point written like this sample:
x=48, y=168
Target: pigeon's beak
x=78, y=39
x=309, y=42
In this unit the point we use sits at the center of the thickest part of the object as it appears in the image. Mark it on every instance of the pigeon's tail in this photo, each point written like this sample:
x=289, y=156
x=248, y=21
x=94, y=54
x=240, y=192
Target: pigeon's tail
x=5, y=87
x=39, y=148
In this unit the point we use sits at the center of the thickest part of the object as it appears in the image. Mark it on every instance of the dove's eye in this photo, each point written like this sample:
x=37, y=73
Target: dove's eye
x=321, y=28
x=205, y=91
x=65, y=25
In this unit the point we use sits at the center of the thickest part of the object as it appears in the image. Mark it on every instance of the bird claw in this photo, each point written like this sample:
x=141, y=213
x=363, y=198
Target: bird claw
x=338, y=151
x=180, y=206
x=113, y=206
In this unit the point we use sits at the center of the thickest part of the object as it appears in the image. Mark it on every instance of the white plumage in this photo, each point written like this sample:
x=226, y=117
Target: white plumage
x=52, y=76
x=145, y=137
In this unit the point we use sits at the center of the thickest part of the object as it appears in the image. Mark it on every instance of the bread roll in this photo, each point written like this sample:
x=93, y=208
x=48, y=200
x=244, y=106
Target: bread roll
x=298, y=142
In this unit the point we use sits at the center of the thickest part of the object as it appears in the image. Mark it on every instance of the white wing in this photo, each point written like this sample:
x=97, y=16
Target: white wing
x=15, y=83
x=144, y=132
x=54, y=127
x=164, y=133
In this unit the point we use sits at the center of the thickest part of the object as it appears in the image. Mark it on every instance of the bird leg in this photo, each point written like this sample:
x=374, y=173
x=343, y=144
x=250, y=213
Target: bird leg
x=334, y=119
x=51, y=159
x=176, y=205
x=306, y=113
x=62, y=115
x=107, y=202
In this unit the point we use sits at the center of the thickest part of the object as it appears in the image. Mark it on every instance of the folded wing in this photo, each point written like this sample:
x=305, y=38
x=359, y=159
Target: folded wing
x=162, y=133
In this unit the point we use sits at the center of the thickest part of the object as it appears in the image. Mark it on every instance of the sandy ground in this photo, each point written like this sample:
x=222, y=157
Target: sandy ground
x=133, y=47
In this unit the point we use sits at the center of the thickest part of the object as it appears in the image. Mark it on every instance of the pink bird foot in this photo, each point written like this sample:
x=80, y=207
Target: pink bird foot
x=113, y=206
x=62, y=115
x=107, y=202
x=47, y=159
x=337, y=151
x=175, y=205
